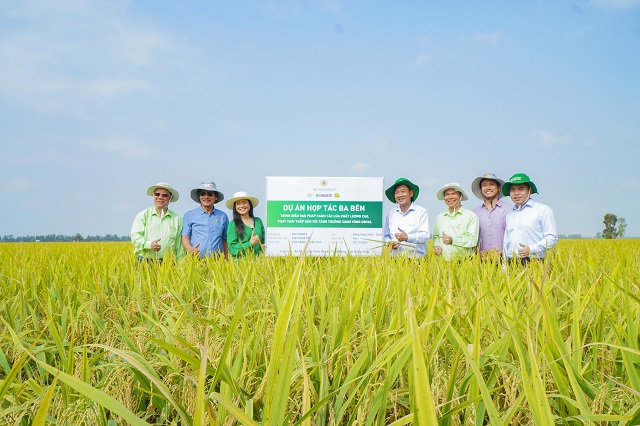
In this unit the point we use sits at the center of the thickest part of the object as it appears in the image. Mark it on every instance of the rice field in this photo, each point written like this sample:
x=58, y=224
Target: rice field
x=88, y=336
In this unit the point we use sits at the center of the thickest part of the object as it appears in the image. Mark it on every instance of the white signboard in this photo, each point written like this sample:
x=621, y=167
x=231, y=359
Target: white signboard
x=337, y=215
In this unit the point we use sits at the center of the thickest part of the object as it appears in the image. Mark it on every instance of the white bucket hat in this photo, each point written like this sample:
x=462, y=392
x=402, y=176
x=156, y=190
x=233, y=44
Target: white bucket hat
x=477, y=190
x=207, y=186
x=241, y=195
x=451, y=185
x=164, y=185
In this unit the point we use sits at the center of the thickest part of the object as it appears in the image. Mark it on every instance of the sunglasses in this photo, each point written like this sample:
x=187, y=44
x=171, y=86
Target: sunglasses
x=157, y=194
x=207, y=193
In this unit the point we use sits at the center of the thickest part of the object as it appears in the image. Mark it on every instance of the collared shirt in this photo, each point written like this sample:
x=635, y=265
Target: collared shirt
x=492, y=225
x=148, y=226
x=207, y=229
x=462, y=226
x=415, y=222
x=239, y=247
x=532, y=225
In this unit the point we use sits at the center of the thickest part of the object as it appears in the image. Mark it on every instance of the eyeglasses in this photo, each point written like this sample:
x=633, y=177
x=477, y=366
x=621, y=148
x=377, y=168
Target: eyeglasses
x=207, y=193
x=157, y=194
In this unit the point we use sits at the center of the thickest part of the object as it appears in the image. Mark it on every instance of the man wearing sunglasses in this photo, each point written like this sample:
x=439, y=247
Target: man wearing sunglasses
x=156, y=231
x=204, y=230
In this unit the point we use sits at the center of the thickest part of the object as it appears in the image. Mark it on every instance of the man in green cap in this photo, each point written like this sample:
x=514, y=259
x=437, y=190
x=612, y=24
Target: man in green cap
x=406, y=227
x=531, y=226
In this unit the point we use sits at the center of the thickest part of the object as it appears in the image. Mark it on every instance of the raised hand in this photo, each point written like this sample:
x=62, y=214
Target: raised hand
x=446, y=239
x=401, y=236
x=254, y=239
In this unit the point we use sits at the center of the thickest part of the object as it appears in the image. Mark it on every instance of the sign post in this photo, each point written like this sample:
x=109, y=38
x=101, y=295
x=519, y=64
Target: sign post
x=337, y=215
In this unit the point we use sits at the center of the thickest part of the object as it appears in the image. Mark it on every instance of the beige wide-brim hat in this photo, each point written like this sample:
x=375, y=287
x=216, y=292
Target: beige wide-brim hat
x=477, y=190
x=164, y=185
x=241, y=195
x=451, y=185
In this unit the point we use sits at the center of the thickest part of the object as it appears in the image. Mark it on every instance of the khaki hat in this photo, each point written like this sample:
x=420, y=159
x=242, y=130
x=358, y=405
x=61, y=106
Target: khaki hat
x=241, y=195
x=451, y=185
x=164, y=185
x=477, y=190
x=207, y=186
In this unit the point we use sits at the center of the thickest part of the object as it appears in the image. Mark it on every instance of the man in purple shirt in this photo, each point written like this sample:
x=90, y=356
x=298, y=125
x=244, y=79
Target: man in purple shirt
x=491, y=213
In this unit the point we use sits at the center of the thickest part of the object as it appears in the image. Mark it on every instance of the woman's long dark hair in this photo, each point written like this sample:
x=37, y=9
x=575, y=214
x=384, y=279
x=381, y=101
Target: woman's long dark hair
x=238, y=220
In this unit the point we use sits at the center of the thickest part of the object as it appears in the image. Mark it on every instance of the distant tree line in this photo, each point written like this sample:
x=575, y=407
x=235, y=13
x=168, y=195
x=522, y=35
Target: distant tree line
x=570, y=236
x=62, y=238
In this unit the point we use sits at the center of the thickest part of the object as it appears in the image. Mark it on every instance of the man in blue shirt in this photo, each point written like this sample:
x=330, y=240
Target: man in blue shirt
x=204, y=229
x=531, y=226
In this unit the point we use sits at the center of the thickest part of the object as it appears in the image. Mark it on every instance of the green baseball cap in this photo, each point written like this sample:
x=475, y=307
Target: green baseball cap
x=518, y=179
x=402, y=181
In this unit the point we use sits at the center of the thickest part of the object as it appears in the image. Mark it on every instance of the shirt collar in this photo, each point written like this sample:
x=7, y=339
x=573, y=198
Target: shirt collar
x=448, y=213
x=499, y=203
x=529, y=203
x=167, y=213
x=408, y=210
x=203, y=211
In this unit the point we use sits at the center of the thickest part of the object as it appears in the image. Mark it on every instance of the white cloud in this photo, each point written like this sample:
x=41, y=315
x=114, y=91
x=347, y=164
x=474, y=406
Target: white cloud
x=18, y=185
x=421, y=59
x=492, y=37
x=546, y=138
x=616, y=4
x=360, y=167
x=69, y=54
x=430, y=181
x=110, y=88
x=630, y=183
x=123, y=147
x=382, y=144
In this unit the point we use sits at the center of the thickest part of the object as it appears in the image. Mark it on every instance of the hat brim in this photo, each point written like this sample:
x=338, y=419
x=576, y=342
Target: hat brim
x=506, y=188
x=174, y=194
x=390, y=192
x=196, y=198
x=253, y=200
x=477, y=190
x=440, y=193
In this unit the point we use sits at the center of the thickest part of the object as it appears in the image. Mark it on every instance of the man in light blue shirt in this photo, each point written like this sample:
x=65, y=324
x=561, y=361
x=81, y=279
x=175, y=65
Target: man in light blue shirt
x=204, y=230
x=406, y=227
x=531, y=226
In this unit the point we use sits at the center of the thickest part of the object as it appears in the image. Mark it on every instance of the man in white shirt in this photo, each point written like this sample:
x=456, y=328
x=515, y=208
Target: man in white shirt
x=531, y=226
x=406, y=226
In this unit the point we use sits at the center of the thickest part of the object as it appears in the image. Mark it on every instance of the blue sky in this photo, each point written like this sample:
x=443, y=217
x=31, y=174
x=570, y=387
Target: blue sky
x=100, y=99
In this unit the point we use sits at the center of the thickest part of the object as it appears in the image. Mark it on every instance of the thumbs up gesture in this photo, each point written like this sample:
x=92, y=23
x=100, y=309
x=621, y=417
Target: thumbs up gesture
x=401, y=235
x=155, y=245
x=254, y=239
x=446, y=239
x=524, y=251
